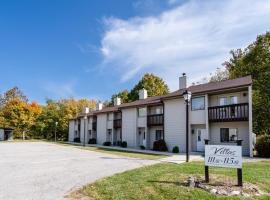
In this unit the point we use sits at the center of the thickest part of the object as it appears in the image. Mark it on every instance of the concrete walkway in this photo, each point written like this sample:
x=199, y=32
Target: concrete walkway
x=46, y=171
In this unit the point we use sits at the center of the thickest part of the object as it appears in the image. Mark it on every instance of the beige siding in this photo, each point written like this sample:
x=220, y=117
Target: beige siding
x=101, y=128
x=129, y=126
x=71, y=130
x=174, y=123
x=243, y=133
x=197, y=117
x=142, y=121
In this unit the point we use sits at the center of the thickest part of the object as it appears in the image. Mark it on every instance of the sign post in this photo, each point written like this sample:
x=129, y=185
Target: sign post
x=224, y=156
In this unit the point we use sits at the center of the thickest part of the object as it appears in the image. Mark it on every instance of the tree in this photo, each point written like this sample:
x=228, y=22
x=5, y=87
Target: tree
x=12, y=94
x=220, y=75
x=153, y=84
x=255, y=61
x=20, y=115
x=124, y=96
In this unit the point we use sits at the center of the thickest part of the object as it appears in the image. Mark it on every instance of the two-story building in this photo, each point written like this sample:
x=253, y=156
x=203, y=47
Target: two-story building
x=218, y=111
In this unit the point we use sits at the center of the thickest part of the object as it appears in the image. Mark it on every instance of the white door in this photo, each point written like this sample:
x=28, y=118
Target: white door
x=201, y=136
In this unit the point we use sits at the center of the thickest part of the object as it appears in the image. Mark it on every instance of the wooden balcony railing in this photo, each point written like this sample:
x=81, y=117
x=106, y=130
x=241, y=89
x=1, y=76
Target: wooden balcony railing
x=117, y=123
x=94, y=126
x=228, y=113
x=155, y=120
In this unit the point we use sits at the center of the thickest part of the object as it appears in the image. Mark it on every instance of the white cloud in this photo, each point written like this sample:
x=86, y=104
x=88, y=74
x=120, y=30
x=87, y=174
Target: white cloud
x=60, y=90
x=195, y=38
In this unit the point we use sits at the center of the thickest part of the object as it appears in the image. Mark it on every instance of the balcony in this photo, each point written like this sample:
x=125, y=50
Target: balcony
x=155, y=120
x=117, y=123
x=94, y=126
x=228, y=113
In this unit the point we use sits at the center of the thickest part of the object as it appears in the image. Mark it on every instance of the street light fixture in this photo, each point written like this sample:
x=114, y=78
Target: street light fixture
x=56, y=123
x=187, y=96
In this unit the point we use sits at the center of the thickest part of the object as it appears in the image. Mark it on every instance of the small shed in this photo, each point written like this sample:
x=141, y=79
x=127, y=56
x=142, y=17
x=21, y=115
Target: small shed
x=6, y=134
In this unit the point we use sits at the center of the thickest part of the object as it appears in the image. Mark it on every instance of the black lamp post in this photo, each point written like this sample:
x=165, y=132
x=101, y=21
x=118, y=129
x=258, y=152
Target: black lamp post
x=187, y=97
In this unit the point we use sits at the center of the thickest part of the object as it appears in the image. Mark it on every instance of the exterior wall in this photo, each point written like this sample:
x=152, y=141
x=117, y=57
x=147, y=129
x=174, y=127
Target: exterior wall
x=175, y=124
x=129, y=126
x=214, y=99
x=101, y=128
x=82, y=131
x=110, y=121
x=243, y=133
x=197, y=117
x=250, y=122
x=152, y=132
x=142, y=121
x=71, y=130
x=2, y=135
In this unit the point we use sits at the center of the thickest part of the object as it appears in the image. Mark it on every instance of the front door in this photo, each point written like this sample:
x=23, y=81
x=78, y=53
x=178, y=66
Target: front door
x=201, y=136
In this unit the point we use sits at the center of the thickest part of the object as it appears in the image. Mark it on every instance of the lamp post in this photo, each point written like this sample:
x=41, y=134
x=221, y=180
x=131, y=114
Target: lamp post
x=187, y=96
x=85, y=118
x=56, y=123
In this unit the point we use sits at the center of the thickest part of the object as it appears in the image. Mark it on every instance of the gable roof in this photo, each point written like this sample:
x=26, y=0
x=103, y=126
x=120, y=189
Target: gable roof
x=196, y=89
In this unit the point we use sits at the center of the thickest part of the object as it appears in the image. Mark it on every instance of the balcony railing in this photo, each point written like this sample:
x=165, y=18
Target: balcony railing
x=94, y=126
x=155, y=120
x=117, y=123
x=227, y=113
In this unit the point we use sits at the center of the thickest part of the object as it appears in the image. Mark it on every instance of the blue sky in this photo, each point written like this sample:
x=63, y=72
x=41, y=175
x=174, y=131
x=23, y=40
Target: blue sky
x=94, y=48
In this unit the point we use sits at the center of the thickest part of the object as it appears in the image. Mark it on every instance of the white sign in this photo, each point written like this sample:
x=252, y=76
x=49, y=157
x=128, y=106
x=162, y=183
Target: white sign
x=223, y=156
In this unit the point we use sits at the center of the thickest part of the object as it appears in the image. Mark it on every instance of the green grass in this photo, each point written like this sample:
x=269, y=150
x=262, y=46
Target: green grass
x=162, y=181
x=119, y=152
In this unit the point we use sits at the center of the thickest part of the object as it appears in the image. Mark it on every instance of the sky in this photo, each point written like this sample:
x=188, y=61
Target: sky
x=94, y=48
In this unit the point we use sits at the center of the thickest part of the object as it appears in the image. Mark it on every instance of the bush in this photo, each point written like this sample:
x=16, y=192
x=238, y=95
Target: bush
x=263, y=146
x=175, y=149
x=160, y=145
x=142, y=147
x=107, y=144
x=77, y=140
x=124, y=144
x=92, y=141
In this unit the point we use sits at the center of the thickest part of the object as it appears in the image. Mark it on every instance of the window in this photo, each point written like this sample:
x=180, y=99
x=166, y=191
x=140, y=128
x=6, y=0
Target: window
x=159, y=135
x=109, y=116
x=199, y=135
x=197, y=103
x=228, y=134
x=142, y=112
x=222, y=101
x=233, y=100
x=89, y=132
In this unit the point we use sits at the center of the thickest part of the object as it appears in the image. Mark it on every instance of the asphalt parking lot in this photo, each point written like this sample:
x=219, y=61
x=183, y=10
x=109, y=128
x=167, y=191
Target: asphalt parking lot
x=47, y=171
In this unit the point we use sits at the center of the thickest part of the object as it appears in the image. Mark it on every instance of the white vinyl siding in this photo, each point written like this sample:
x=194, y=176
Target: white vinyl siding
x=129, y=126
x=175, y=124
x=101, y=128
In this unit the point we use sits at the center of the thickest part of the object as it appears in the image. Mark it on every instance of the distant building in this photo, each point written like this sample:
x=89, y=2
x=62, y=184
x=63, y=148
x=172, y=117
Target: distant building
x=6, y=134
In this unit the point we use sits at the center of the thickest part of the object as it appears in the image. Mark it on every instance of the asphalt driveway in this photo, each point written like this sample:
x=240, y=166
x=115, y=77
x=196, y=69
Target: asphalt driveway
x=40, y=170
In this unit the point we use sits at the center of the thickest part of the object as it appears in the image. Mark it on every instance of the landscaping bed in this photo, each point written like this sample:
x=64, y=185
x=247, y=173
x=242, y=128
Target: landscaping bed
x=169, y=181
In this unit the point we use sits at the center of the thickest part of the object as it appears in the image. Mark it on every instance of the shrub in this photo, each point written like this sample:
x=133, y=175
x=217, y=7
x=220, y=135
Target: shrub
x=262, y=146
x=77, y=140
x=92, y=141
x=107, y=144
x=142, y=147
x=175, y=149
x=124, y=144
x=160, y=145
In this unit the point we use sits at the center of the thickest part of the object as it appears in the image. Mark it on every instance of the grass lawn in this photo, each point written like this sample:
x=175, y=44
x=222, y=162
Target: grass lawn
x=162, y=181
x=119, y=152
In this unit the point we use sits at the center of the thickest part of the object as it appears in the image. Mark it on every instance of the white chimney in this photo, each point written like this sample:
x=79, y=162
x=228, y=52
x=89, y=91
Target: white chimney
x=183, y=82
x=143, y=94
x=99, y=106
x=85, y=110
x=117, y=101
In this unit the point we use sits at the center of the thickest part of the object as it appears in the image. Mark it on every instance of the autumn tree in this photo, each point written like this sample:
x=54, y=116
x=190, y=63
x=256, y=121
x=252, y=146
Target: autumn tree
x=219, y=75
x=255, y=61
x=153, y=84
x=12, y=94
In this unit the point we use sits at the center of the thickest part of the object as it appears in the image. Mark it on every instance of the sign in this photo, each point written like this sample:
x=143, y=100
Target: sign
x=223, y=156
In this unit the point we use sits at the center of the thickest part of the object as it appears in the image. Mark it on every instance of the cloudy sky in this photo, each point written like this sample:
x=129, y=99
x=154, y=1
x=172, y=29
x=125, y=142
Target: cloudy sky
x=91, y=49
